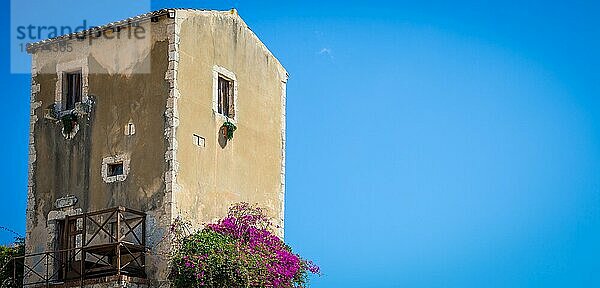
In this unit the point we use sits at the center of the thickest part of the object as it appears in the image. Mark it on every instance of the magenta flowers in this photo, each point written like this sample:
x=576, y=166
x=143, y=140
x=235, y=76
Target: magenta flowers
x=238, y=251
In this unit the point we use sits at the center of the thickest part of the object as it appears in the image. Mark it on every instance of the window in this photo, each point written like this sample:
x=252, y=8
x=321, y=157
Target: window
x=115, y=169
x=225, y=101
x=71, y=83
x=72, y=89
x=225, y=94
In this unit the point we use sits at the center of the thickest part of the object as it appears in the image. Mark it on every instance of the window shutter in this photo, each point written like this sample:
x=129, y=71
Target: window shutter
x=225, y=94
x=230, y=99
x=220, y=102
x=76, y=87
x=73, y=89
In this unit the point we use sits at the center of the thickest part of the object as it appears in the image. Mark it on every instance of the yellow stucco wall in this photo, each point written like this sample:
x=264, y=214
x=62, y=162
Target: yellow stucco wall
x=249, y=167
x=135, y=82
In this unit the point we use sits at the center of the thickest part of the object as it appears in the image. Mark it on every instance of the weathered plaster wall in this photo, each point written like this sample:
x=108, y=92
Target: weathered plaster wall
x=164, y=88
x=126, y=84
x=249, y=168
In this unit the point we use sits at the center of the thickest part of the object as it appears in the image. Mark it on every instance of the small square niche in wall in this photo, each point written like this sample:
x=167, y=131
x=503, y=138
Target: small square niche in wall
x=199, y=140
x=115, y=169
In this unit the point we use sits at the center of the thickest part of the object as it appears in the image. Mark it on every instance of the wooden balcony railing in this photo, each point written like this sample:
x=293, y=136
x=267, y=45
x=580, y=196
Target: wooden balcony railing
x=96, y=244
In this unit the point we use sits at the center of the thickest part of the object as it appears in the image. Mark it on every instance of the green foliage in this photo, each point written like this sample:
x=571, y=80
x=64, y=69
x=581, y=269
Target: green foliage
x=223, y=266
x=69, y=121
x=7, y=265
x=229, y=128
x=238, y=251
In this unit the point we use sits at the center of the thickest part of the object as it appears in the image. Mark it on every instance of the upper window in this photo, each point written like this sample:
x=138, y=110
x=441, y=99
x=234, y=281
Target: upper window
x=71, y=83
x=225, y=94
x=72, y=89
x=225, y=101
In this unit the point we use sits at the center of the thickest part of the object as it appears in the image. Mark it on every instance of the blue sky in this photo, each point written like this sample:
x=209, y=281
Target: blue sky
x=430, y=144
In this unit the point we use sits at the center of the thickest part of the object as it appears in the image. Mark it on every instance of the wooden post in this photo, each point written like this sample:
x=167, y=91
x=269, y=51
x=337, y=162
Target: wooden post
x=84, y=231
x=65, y=257
x=118, y=252
x=144, y=243
x=47, y=275
x=83, y=243
x=81, y=266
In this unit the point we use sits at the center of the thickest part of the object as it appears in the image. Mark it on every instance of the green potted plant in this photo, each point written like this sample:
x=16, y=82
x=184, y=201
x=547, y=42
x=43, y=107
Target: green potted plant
x=228, y=128
x=69, y=121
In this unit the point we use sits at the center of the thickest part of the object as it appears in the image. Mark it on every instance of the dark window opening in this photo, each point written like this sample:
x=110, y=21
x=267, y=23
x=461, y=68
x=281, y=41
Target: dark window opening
x=225, y=101
x=115, y=169
x=60, y=244
x=66, y=263
x=72, y=89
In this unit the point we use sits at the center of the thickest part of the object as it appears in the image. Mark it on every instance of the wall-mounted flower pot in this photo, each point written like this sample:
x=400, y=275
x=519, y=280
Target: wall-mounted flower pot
x=227, y=129
x=69, y=122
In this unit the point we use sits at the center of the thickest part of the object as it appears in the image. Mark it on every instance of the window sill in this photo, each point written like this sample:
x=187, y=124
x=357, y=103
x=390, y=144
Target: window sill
x=65, y=112
x=224, y=118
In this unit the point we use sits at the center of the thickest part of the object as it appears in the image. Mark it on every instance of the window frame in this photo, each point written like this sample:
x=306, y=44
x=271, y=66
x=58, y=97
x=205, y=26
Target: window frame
x=221, y=72
x=114, y=160
x=69, y=67
x=225, y=101
x=67, y=88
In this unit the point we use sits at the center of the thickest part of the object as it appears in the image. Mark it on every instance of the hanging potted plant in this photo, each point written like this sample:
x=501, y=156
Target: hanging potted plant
x=228, y=128
x=69, y=122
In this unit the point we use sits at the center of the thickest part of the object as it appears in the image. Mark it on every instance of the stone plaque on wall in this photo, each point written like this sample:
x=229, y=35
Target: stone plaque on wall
x=66, y=201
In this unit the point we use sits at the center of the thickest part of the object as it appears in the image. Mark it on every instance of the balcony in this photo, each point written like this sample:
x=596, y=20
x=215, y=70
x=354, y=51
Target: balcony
x=93, y=245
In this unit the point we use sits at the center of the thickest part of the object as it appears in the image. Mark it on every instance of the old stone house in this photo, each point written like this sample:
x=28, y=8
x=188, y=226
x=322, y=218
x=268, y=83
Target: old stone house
x=127, y=134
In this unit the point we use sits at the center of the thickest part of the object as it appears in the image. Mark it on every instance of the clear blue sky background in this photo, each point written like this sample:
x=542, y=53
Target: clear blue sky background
x=430, y=144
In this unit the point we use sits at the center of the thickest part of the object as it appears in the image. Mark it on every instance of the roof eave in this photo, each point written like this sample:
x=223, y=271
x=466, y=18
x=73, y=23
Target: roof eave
x=32, y=47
